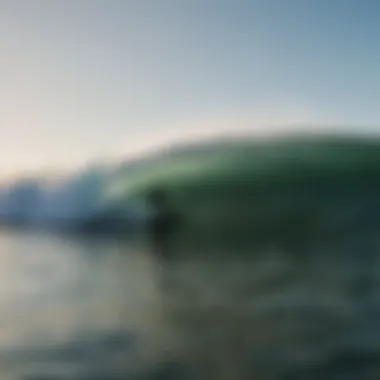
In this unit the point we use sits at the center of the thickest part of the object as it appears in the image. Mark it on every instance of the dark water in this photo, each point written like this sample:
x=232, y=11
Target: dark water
x=80, y=308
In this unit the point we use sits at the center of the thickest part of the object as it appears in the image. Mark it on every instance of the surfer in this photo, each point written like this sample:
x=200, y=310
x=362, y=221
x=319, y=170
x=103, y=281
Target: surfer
x=163, y=222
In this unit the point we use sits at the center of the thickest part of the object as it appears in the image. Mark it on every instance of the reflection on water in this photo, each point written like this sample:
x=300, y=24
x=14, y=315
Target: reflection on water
x=98, y=309
x=75, y=308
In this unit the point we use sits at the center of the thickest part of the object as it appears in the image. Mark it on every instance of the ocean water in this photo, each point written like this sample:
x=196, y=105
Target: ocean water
x=90, y=308
x=76, y=308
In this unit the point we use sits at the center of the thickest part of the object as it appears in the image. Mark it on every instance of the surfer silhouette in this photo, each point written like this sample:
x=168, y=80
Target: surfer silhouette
x=163, y=223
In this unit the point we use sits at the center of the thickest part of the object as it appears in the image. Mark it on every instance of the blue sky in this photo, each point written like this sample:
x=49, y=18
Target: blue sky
x=82, y=79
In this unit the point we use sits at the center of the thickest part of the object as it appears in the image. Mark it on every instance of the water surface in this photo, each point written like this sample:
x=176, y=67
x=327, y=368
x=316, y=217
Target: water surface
x=76, y=307
x=90, y=308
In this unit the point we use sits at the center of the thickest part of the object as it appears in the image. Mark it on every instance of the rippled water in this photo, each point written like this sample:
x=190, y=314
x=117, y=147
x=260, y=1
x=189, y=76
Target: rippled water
x=80, y=308
x=73, y=308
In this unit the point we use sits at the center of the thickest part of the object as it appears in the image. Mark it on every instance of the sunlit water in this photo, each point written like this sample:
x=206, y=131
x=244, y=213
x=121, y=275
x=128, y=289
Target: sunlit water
x=76, y=308
x=81, y=308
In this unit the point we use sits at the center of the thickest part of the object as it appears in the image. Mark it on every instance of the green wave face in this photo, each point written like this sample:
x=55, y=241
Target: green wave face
x=246, y=167
x=278, y=186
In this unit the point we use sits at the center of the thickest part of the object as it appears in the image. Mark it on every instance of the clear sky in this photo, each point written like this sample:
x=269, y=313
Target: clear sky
x=81, y=79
